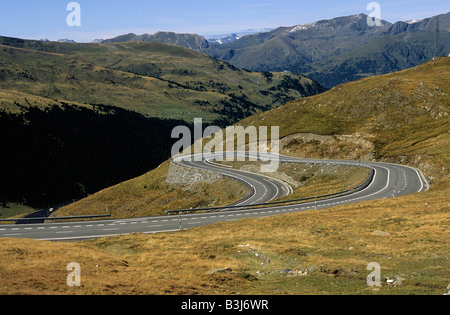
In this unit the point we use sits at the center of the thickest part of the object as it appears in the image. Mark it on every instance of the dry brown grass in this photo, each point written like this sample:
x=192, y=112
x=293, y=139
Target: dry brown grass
x=334, y=245
x=406, y=115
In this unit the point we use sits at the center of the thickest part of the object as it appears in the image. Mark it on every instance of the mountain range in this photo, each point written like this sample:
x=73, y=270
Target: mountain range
x=151, y=78
x=225, y=39
x=402, y=117
x=177, y=77
x=191, y=41
x=329, y=51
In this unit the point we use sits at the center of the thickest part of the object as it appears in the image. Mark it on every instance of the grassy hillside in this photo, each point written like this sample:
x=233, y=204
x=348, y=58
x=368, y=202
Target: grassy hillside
x=150, y=194
x=154, y=79
x=191, y=41
x=315, y=252
x=405, y=118
x=146, y=89
x=401, y=117
x=385, y=54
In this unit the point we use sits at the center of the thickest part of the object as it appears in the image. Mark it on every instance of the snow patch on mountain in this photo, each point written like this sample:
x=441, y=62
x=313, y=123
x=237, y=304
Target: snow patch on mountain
x=302, y=27
x=224, y=40
x=413, y=21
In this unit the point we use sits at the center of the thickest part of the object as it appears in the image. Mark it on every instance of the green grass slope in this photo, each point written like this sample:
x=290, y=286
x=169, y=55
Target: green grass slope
x=400, y=117
x=154, y=79
x=404, y=116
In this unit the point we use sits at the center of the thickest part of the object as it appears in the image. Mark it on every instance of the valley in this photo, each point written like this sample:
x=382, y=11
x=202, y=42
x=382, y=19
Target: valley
x=100, y=114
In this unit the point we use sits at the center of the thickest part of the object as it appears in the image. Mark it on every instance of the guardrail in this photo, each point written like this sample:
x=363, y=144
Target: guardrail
x=56, y=218
x=286, y=202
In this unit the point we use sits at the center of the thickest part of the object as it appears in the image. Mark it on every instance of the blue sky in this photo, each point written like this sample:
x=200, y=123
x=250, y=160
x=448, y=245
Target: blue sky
x=33, y=19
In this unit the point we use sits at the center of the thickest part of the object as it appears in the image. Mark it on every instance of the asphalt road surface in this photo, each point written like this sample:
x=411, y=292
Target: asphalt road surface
x=390, y=180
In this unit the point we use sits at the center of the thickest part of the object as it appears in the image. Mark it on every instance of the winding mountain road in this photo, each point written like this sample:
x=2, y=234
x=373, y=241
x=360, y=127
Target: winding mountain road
x=389, y=180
